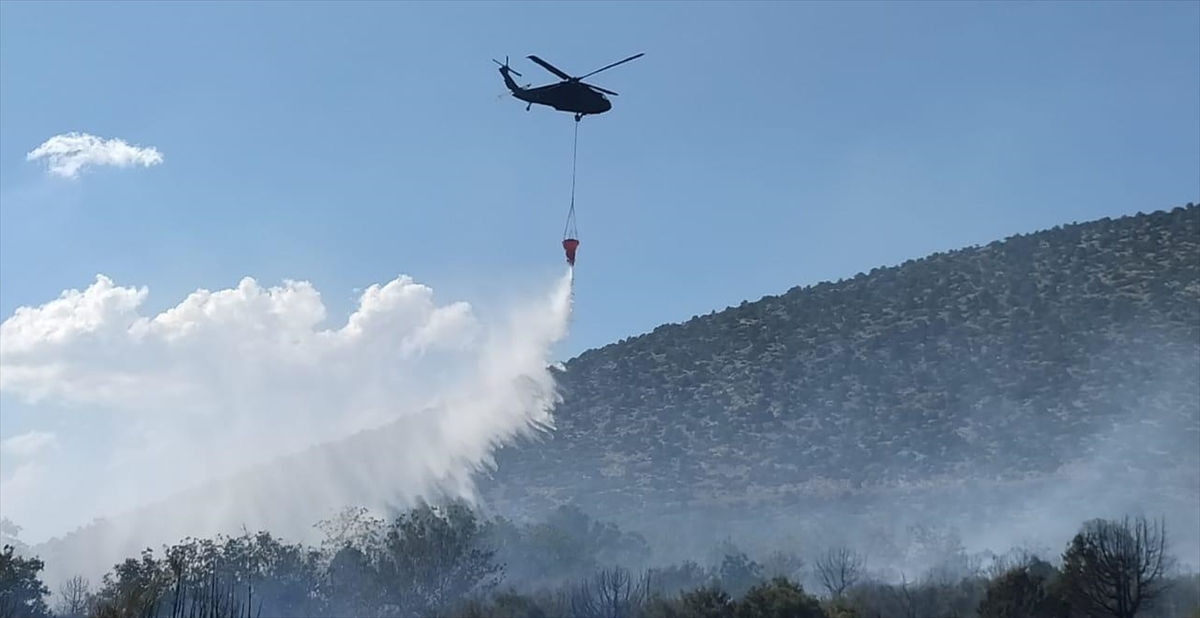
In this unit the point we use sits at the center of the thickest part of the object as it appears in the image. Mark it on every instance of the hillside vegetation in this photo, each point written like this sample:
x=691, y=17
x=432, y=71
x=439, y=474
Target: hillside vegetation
x=1062, y=352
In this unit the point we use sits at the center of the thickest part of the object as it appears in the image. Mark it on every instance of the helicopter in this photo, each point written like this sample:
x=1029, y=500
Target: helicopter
x=569, y=95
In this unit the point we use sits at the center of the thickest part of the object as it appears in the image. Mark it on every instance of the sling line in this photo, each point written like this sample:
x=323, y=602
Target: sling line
x=569, y=231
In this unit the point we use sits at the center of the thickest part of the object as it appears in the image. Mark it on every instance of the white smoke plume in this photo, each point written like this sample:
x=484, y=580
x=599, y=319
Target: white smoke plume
x=245, y=390
x=69, y=153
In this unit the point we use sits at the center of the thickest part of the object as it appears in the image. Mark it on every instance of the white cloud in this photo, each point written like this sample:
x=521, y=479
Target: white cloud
x=69, y=153
x=233, y=378
x=28, y=444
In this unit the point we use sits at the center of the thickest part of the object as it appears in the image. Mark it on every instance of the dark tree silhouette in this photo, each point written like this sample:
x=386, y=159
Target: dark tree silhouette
x=707, y=602
x=611, y=593
x=1114, y=569
x=22, y=593
x=779, y=598
x=1021, y=592
x=738, y=573
x=134, y=588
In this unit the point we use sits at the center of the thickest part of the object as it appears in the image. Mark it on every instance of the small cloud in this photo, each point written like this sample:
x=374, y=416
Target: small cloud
x=69, y=153
x=27, y=445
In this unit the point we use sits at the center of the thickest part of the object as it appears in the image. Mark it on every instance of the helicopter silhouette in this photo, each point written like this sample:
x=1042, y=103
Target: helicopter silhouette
x=569, y=95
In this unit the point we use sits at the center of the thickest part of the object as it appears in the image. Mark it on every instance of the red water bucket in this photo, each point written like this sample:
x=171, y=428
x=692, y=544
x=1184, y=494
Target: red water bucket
x=569, y=245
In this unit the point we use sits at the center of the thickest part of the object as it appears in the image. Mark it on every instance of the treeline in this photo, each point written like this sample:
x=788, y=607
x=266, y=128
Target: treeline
x=450, y=562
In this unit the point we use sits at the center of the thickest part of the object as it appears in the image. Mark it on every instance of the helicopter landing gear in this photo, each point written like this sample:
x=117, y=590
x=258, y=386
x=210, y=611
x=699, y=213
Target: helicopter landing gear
x=528, y=106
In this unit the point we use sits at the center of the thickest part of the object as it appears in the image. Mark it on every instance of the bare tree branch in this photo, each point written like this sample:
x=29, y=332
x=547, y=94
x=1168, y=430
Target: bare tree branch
x=838, y=569
x=1117, y=568
x=612, y=593
x=73, y=597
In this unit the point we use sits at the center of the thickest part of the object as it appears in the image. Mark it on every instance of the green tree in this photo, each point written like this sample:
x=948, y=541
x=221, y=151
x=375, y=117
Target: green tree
x=707, y=602
x=677, y=578
x=779, y=598
x=10, y=534
x=1021, y=592
x=509, y=604
x=352, y=586
x=22, y=592
x=134, y=588
x=842, y=608
x=702, y=602
x=434, y=557
x=738, y=573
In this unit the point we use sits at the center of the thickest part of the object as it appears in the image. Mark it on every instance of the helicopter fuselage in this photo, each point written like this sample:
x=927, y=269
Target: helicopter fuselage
x=564, y=96
x=567, y=97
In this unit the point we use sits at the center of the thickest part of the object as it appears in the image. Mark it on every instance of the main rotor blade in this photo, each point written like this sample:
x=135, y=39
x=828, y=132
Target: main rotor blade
x=633, y=57
x=550, y=67
x=595, y=87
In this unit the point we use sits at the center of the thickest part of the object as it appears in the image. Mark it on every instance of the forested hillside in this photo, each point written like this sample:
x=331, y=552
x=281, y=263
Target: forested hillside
x=1057, y=352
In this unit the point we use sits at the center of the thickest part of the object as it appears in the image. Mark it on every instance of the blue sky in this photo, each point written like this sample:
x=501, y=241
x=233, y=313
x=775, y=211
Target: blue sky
x=755, y=147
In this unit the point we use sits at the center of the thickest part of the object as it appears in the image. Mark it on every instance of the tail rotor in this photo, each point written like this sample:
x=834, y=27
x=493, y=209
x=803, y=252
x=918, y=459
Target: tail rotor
x=505, y=70
x=504, y=67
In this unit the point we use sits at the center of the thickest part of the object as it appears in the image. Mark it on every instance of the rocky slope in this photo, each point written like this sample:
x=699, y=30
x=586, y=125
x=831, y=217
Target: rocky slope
x=1070, y=351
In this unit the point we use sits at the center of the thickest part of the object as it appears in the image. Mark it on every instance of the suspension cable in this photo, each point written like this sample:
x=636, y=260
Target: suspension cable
x=569, y=230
